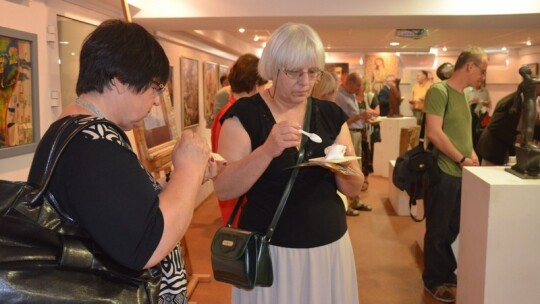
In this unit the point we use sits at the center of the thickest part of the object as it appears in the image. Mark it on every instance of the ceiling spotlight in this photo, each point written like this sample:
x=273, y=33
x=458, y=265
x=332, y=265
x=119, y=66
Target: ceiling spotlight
x=361, y=61
x=394, y=43
x=529, y=43
x=241, y=30
x=256, y=38
x=503, y=49
x=264, y=44
x=444, y=49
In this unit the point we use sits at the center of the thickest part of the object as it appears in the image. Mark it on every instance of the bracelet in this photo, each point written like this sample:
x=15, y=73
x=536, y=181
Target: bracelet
x=461, y=161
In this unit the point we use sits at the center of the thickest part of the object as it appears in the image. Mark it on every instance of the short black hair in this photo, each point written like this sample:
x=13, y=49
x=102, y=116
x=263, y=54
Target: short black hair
x=244, y=75
x=123, y=50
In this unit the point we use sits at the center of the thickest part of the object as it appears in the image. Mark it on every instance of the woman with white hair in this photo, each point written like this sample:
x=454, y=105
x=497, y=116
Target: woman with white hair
x=311, y=250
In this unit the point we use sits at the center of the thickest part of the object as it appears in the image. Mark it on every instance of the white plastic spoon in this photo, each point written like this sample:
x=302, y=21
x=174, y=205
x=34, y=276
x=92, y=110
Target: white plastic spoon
x=314, y=137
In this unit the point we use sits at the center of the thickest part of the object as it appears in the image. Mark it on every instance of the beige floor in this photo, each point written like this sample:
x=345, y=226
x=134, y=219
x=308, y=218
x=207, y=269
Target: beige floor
x=388, y=261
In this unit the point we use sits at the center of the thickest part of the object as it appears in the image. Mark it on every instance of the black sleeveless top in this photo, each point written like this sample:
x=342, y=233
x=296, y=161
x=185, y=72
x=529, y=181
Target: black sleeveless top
x=314, y=214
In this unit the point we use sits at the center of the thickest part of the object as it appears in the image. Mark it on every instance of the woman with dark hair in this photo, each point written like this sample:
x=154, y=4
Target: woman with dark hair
x=244, y=80
x=99, y=180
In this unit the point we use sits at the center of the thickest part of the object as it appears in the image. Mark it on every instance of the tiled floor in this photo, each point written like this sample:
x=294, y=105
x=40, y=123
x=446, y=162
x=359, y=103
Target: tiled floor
x=388, y=260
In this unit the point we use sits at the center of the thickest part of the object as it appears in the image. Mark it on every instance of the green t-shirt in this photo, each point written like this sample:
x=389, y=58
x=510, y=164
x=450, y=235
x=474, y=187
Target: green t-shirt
x=456, y=124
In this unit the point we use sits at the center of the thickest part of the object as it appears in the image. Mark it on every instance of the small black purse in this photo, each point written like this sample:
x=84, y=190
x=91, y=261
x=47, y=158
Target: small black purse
x=241, y=257
x=46, y=258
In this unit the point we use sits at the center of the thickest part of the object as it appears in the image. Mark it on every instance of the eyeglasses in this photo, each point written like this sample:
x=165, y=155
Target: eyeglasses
x=313, y=74
x=158, y=88
x=483, y=71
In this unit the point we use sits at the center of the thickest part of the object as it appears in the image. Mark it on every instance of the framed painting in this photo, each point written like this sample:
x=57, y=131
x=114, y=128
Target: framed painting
x=19, y=104
x=210, y=85
x=189, y=80
x=157, y=136
x=534, y=69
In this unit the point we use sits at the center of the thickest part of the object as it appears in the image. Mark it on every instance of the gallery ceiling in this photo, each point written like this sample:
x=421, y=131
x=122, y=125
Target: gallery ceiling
x=348, y=28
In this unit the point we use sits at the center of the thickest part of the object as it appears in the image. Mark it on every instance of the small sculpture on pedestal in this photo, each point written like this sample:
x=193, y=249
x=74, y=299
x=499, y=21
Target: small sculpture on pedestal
x=527, y=154
x=395, y=99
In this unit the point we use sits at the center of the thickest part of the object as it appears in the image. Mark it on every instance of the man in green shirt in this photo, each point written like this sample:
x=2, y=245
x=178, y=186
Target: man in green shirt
x=448, y=127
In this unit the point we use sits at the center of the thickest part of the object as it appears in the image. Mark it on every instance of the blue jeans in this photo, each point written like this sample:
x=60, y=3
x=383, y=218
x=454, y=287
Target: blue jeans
x=442, y=204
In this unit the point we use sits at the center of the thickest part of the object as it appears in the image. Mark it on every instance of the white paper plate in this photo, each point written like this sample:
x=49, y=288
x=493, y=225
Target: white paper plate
x=334, y=161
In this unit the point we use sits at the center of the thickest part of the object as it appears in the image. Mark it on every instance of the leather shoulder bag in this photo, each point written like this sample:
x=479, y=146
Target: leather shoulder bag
x=46, y=258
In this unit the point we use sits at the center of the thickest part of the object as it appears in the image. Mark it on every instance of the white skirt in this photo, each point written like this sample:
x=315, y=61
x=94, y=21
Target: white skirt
x=320, y=275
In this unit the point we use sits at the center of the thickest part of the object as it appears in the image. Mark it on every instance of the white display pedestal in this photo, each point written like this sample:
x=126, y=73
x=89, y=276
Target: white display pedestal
x=398, y=198
x=499, y=244
x=388, y=148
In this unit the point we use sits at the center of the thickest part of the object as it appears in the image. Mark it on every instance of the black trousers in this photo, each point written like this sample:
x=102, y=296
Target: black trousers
x=442, y=204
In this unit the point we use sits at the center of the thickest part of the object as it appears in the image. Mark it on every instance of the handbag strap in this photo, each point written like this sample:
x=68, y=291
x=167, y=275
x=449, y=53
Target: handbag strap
x=61, y=141
x=288, y=187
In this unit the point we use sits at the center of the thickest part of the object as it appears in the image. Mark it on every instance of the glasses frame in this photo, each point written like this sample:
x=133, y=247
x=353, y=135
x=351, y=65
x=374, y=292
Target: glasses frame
x=312, y=75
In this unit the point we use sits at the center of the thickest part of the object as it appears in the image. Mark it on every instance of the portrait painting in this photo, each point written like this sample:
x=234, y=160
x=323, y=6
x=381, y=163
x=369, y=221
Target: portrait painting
x=378, y=67
x=19, y=110
x=211, y=83
x=189, y=80
x=341, y=69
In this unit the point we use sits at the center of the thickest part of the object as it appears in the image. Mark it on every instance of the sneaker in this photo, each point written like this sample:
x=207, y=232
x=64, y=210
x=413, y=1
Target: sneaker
x=352, y=212
x=361, y=206
x=451, y=282
x=441, y=293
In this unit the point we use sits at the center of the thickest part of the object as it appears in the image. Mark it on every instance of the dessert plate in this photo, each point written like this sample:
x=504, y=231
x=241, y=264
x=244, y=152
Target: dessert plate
x=334, y=161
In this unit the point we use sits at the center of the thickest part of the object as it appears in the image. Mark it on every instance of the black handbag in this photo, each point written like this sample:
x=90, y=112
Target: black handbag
x=46, y=258
x=417, y=169
x=242, y=258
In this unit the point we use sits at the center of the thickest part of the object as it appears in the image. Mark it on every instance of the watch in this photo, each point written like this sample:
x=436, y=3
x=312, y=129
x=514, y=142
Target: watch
x=461, y=161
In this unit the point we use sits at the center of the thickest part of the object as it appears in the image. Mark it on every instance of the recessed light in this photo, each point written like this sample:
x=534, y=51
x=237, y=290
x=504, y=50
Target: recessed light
x=264, y=44
x=256, y=38
x=529, y=43
x=241, y=30
x=394, y=43
x=444, y=49
x=503, y=49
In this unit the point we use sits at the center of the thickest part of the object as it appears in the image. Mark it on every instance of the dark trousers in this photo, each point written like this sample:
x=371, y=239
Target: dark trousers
x=442, y=205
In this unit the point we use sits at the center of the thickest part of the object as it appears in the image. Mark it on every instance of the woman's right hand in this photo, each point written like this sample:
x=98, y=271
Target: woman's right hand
x=282, y=136
x=191, y=151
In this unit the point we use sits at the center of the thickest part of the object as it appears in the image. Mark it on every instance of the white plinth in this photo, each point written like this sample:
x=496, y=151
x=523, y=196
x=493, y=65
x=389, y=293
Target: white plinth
x=499, y=243
x=388, y=148
x=398, y=198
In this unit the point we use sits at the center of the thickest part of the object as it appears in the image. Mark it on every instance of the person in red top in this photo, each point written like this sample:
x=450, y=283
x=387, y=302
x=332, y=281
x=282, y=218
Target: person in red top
x=244, y=80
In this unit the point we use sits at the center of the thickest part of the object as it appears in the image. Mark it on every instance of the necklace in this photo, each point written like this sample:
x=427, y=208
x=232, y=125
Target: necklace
x=90, y=107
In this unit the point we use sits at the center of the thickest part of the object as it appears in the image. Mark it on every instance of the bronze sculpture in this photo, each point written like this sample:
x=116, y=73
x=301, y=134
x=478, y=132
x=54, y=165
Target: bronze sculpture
x=527, y=153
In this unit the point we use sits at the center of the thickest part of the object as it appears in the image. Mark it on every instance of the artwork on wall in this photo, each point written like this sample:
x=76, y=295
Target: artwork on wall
x=223, y=70
x=341, y=69
x=19, y=105
x=211, y=83
x=189, y=79
x=378, y=66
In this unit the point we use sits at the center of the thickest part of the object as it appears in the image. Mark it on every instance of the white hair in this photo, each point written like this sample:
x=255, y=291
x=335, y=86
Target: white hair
x=291, y=46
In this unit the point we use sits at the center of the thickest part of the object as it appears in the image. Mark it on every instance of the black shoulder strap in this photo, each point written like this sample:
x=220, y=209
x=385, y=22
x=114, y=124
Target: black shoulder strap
x=62, y=139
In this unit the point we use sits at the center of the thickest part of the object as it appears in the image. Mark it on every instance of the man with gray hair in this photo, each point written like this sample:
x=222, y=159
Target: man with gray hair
x=346, y=100
x=448, y=128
